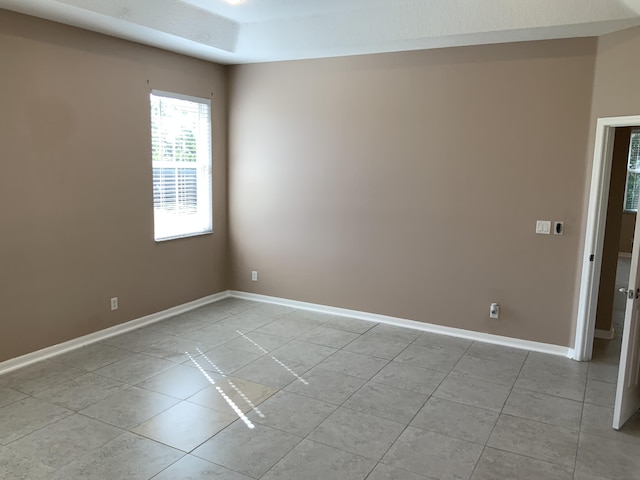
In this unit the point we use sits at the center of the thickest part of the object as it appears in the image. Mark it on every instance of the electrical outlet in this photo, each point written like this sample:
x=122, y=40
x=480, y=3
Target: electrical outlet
x=114, y=303
x=254, y=276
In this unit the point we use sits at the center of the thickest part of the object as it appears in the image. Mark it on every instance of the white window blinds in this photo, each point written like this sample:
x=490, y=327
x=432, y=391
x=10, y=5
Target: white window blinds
x=632, y=190
x=181, y=157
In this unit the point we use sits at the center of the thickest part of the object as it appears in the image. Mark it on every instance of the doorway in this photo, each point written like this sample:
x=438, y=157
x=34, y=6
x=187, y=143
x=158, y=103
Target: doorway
x=617, y=248
x=595, y=233
x=605, y=206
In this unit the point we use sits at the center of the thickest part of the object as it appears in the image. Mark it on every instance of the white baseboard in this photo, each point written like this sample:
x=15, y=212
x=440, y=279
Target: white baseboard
x=605, y=334
x=65, y=347
x=425, y=327
x=59, y=349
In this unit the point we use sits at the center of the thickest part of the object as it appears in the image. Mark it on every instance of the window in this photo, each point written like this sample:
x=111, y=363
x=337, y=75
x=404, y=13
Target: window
x=632, y=190
x=181, y=157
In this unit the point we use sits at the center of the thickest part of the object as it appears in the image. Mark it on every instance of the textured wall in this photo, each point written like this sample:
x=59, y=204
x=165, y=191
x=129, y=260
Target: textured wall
x=409, y=184
x=76, y=204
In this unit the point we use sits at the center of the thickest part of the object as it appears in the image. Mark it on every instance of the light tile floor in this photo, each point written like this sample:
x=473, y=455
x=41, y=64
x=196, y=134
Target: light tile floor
x=240, y=390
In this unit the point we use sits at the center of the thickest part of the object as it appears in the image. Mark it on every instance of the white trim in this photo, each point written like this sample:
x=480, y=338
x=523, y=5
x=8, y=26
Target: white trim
x=65, y=347
x=401, y=322
x=624, y=255
x=605, y=334
x=594, y=232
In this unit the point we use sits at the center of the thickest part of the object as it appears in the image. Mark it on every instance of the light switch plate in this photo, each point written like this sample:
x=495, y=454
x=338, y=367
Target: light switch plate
x=543, y=227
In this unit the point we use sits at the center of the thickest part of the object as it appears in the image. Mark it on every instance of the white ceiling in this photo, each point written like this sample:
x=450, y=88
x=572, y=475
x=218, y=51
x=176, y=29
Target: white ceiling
x=271, y=30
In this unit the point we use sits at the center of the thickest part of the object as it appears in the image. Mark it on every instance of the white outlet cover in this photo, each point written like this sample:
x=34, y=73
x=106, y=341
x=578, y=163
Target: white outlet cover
x=543, y=227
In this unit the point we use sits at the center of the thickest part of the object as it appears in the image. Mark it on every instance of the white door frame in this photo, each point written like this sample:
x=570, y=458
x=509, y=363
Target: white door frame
x=594, y=232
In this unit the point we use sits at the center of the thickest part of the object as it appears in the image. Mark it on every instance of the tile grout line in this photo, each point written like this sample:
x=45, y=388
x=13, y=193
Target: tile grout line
x=484, y=447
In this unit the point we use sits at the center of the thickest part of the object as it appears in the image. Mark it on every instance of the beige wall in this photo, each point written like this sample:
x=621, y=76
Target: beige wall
x=409, y=184
x=613, y=228
x=76, y=191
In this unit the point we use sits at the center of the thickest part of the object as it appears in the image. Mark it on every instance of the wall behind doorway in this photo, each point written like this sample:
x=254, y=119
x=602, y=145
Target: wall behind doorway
x=613, y=228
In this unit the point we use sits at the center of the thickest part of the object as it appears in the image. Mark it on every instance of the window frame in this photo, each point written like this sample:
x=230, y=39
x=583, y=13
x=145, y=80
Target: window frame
x=203, y=167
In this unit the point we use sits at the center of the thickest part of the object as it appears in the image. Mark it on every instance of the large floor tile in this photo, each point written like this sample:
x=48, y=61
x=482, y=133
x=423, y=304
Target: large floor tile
x=432, y=358
x=600, y=393
x=497, y=464
x=474, y=392
x=176, y=349
x=26, y=416
x=40, y=376
x=612, y=459
x=603, y=372
x=443, y=342
x=8, y=395
x=487, y=370
x=354, y=364
x=127, y=457
x=249, y=451
x=292, y=413
x=456, y=420
x=230, y=393
x=329, y=337
x=287, y=327
x=433, y=455
x=138, y=340
x=544, y=408
x=303, y=353
x=598, y=420
x=270, y=370
x=410, y=377
x=93, y=357
x=135, y=369
x=545, y=379
x=129, y=407
x=65, y=441
x=82, y=391
x=313, y=461
x=178, y=325
x=256, y=342
x=223, y=360
x=556, y=364
x=246, y=321
x=392, y=332
x=180, y=381
x=387, y=472
x=273, y=311
x=194, y=468
x=218, y=311
x=306, y=317
x=358, y=433
x=185, y=425
x=375, y=346
x=347, y=324
x=497, y=353
x=212, y=335
x=13, y=465
x=387, y=402
x=534, y=439
x=327, y=386
x=580, y=475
